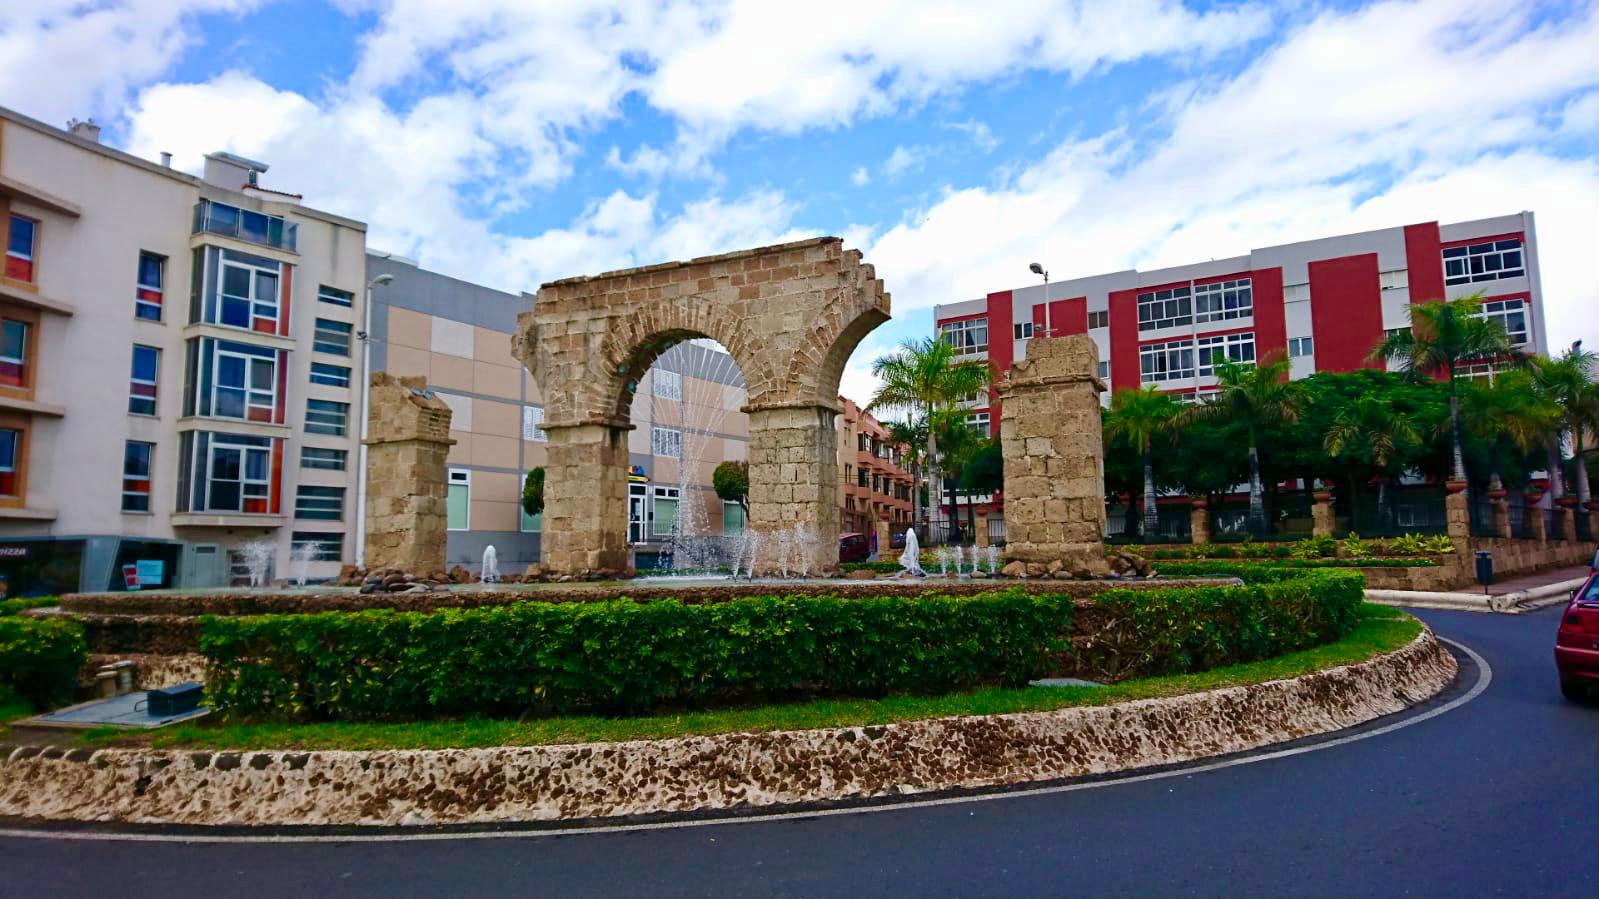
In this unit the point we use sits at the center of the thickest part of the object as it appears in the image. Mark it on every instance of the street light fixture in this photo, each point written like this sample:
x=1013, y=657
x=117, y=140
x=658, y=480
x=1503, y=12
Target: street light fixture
x=365, y=336
x=1038, y=269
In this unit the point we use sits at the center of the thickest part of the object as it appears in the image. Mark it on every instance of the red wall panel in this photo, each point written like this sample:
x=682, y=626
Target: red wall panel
x=1001, y=349
x=1068, y=316
x=1124, y=338
x=1271, y=328
x=1424, y=263
x=1345, y=311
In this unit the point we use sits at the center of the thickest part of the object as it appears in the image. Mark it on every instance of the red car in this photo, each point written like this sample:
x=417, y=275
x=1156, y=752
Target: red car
x=1577, y=642
x=854, y=547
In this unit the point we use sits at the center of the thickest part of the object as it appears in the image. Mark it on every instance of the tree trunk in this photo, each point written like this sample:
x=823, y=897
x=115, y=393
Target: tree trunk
x=1257, y=499
x=1454, y=427
x=1151, y=517
x=1581, y=474
x=971, y=518
x=1385, y=512
x=935, y=484
x=1557, y=482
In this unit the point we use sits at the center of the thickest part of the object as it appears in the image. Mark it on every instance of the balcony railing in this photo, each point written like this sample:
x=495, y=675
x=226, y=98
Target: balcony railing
x=245, y=224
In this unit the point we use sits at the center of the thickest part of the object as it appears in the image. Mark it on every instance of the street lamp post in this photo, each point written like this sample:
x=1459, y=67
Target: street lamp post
x=366, y=398
x=1037, y=269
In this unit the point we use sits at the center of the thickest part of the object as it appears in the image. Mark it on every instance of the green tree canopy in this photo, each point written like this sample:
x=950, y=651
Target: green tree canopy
x=731, y=481
x=533, y=492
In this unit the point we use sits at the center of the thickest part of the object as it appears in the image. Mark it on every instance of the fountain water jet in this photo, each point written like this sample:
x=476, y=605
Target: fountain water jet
x=490, y=574
x=910, y=561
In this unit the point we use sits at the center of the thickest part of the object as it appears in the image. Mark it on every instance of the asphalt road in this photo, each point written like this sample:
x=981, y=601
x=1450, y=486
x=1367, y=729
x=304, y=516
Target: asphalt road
x=1499, y=796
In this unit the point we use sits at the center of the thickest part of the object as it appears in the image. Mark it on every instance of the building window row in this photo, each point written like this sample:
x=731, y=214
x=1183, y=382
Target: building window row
x=1511, y=315
x=1486, y=261
x=1223, y=300
x=1224, y=348
x=10, y=462
x=1170, y=361
x=532, y=417
x=969, y=336
x=228, y=379
x=335, y=296
x=1165, y=308
x=244, y=224
x=979, y=422
x=229, y=473
x=668, y=385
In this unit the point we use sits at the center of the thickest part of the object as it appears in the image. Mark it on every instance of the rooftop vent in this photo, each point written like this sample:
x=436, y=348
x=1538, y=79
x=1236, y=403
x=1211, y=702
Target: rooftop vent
x=85, y=129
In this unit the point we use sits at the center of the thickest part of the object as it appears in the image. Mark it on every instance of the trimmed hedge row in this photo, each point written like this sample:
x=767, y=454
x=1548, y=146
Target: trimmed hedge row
x=626, y=657
x=13, y=606
x=40, y=657
x=1222, y=567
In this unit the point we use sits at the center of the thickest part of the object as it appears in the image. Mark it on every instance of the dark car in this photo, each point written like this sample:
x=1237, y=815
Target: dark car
x=1577, y=642
x=854, y=547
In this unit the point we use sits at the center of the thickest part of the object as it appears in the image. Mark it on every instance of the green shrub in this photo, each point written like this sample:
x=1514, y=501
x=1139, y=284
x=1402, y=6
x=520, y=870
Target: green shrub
x=1221, y=568
x=13, y=606
x=624, y=656
x=1314, y=547
x=1356, y=548
x=881, y=567
x=39, y=658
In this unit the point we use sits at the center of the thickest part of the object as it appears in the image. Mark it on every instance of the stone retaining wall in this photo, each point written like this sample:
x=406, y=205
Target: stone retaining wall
x=731, y=771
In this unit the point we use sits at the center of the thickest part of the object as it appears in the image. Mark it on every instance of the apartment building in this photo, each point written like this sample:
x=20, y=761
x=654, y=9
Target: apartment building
x=1325, y=303
x=875, y=484
x=178, y=372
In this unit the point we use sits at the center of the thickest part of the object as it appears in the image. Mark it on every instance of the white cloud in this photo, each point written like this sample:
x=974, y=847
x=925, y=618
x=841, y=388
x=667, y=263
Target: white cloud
x=903, y=160
x=861, y=177
x=982, y=136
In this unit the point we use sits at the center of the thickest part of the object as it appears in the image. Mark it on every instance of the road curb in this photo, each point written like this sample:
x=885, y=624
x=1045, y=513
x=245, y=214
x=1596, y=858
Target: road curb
x=696, y=774
x=1504, y=603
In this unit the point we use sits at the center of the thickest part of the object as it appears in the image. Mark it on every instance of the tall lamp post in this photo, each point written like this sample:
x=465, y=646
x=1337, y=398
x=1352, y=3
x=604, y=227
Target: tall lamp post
x=366, y=398
x=1037, y=269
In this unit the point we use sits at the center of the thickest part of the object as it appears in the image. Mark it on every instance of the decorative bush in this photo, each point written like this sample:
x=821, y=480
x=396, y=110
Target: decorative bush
x=13, y=606
x=1223, y=568
x=878, y=567
x=40, y=657
x=1315, y=548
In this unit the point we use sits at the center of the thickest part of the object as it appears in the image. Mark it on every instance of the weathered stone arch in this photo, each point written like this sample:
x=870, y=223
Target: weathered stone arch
x=790, y=315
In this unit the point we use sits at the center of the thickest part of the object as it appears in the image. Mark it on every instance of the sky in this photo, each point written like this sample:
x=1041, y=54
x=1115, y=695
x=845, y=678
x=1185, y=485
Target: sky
x=510, y=142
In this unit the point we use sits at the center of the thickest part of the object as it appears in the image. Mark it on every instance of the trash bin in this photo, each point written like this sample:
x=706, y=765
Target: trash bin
x=1485, y=567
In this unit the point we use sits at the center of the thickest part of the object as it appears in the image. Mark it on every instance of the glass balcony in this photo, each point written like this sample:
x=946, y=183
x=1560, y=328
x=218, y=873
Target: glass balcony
x=244, y=224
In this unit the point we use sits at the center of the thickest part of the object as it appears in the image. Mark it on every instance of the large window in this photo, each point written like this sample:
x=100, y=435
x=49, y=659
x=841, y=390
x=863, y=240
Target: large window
x=532, y=417
x=239, y=474
x=142, y=380
x=136, y=458
x=149, y=294
x=1486, y=261
x=330, y=375
x=1229, y=347
x=249, y=296
x=979, y=422
x=244, y=224
x=458, y=502
x=667, y=442
x=1165, y=308
x=668, y=384
x=1223, y=300
x=10, y=461
x=331, y=337
x=323, y=458
x=318, y=503
x=20, y=240
x=665, y=516
x=1162, y=362
x=335, y=296
x=1511, y=315
x=969, y=336
x=13, y=353
x=318, y=546
x=246, y=382
x=326, y=417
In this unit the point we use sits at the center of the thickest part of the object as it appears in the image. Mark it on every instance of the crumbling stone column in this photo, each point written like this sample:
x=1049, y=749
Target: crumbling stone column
x=1501, y=513
x=1566, y=518
x=982, y=530
x=885, y=539
x=1321, y=514
x=585, y=499
x=1054, y=458
x=1457, y=511
x=1198, y=522
x=794, y=481
x=1536, y=526
x=408, y=442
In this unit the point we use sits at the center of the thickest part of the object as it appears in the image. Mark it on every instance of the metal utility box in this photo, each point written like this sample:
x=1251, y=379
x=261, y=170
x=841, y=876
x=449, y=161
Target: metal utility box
x=171, y=701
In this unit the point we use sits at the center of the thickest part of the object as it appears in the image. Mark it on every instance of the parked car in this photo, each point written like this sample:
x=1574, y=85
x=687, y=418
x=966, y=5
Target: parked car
x=854, y=547
x=1577, y=642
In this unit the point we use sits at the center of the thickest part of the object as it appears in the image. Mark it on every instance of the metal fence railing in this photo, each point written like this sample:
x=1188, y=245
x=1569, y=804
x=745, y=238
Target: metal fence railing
x=1171, y=526
x=1411, y=515
x=1520, y=521
x=1481, y=512
x=1584, y=525
x=1551, y=525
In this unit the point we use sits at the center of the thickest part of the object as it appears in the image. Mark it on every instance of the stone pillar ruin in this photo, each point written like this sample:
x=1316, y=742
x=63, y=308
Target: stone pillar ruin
x=1054, y=457
x=1536, y=525
x=1198, y=522
x=794, y=481
x=408, y=443
x=885, y=540
x=585, y=499
x=1457, y=511
x=1501, y=513
x=1321, y=514
x=1566, y=520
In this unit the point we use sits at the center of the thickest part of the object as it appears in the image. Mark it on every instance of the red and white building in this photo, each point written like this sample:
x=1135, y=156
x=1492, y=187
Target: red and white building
x=1324, y=302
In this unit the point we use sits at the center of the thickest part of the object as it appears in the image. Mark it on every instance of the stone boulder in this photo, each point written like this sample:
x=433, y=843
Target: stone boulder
x=1014, y=569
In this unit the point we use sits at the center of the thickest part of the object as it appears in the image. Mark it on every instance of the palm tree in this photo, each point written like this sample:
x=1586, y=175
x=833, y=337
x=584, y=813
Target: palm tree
x=912, y=436
x=1257, y=397
x=1136, y=419
x=923, y=378
x=1510, y=413
x=1444, y=335
x=1567, y=382
x=959, y=441
x=1370, y=424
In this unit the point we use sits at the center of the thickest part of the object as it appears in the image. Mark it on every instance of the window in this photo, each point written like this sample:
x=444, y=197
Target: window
x=1228, y=347
x=10, y=456
x=330, y=375
x=532, y=417
x=732, y=519
x=1100, y=319
x=142, y=380
x=1023, y=330
x=323, y=458
x=668, y=385
x=1397, y=279
x=863, y=477
x=1165, y=308
x=1104, y=371
x=1296, y=293
x=1486, y=261
x=863, y=443
x=326, y=417
x=335, y=296
x=249, y=296
x=1171, y=361
x=969, y=336
x=331, y=337
x=1223, y=300
x=239, y=472
x=667, y=442
x=246, y=382
x=665, y=517
x=1299, y=346
x=19, y=248
x=319, y=503
x=147, y=299
x=979, y=422
x=1390, y=332
x=13, y=353
x=877, y=483
x=245, y=224
x=458, y=503
x=1510, y=314
x=136, y=476
x=318, y=546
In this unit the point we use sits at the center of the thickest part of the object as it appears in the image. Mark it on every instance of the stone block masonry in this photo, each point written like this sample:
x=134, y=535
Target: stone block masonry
x=1049, y=432
x=408, y=442
x=790, y=315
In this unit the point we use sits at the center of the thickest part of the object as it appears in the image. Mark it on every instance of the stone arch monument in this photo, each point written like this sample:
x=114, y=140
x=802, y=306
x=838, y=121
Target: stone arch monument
x=790, y=315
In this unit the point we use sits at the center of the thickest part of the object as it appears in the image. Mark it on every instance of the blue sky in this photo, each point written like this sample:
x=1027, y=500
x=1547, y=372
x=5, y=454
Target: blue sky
x=512, y=143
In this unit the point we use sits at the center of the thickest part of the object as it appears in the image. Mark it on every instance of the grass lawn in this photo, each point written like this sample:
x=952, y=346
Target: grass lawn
x=1381, y=629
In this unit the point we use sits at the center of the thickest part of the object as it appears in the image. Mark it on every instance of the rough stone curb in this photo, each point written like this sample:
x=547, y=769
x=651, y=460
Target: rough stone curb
x=1514, y=603
x=543, y=783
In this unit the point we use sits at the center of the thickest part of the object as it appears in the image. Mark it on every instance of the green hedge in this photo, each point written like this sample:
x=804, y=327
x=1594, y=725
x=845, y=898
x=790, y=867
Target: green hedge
x=40, y=657
x=623, y=656
x=878, y=567
x=13, y=606
x=1225, y=568
x=626, y=657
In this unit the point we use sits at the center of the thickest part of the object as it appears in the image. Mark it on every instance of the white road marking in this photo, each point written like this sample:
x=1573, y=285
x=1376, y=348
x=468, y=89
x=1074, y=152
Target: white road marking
x=1484, y=678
